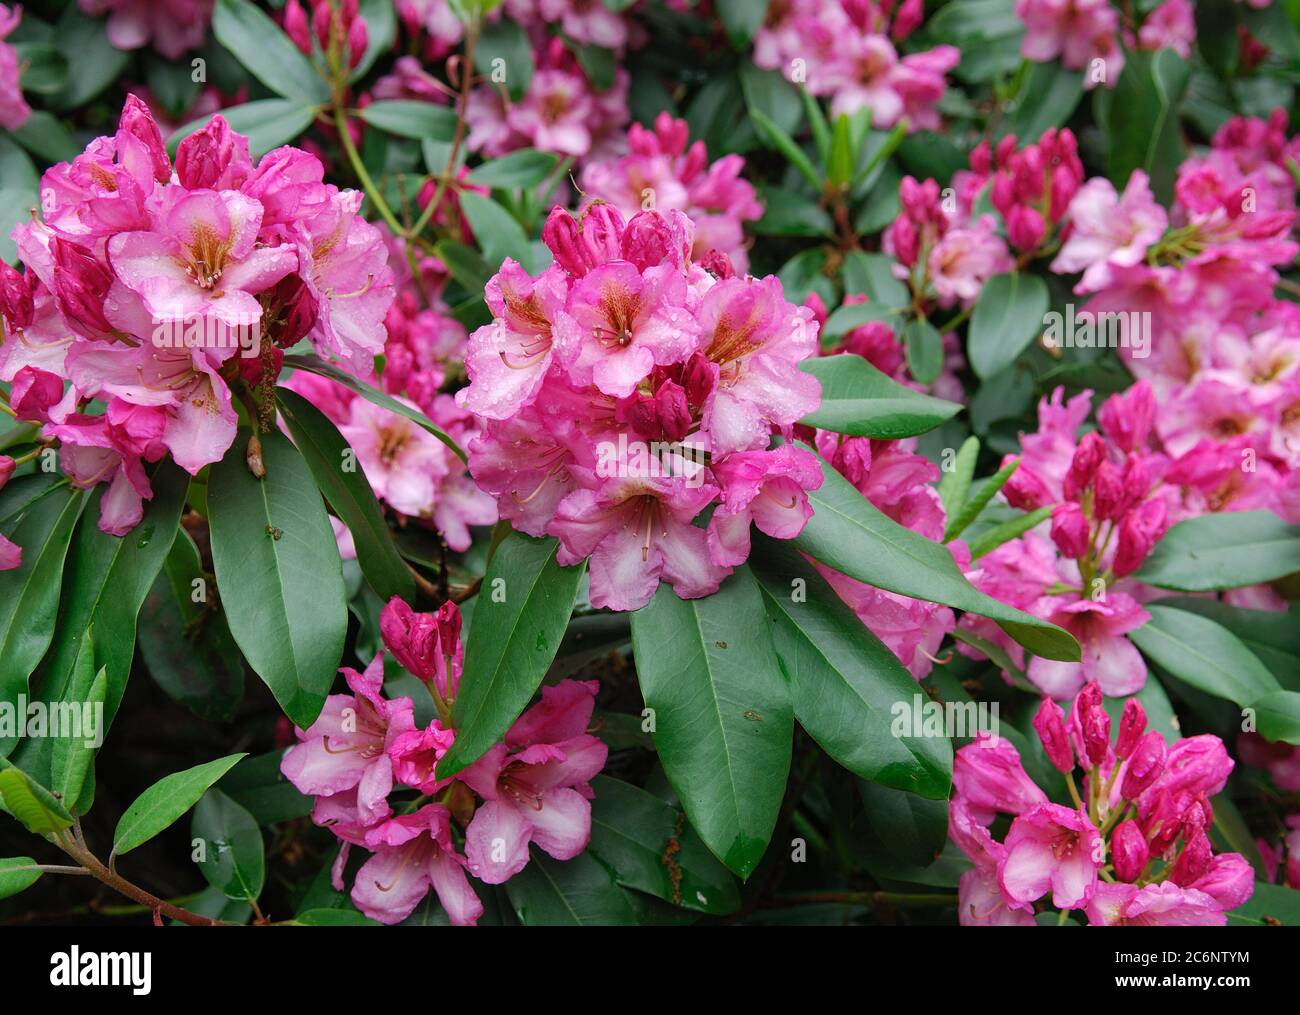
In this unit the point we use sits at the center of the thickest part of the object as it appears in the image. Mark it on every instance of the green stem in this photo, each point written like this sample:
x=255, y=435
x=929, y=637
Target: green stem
x=363, y=174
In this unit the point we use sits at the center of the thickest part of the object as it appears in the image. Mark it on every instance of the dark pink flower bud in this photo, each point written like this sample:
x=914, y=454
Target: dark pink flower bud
x=1107, y=492
x=817, y=305
x=718, y=264
x=698, y=378
x=80, y=285
x=322, y=18
x=903, y=238
x=1064, y=186
x=1092, y=723
x=358, y=41
x=16, y=305
x=1025, y=227
x=1049, y=724
x=138, y=124
x=638, y=413
x=7, y=466
x=1144, y=766
x=1025, y=489
x=1194, y=860
x=34, y=393
x=296, y=27
x=651, y=239
x=673, y=411
x=204, y=156
x=580, y=245
x=1139, y=532
x=1090, y=453
x=1070, y=530
x=411, y=637
x=1128, y=850
x=1132, y=724
x=906, y=19
x=299, y=312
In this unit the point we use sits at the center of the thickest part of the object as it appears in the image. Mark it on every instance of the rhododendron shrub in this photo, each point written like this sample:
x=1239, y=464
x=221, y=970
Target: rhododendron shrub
x=538, y=462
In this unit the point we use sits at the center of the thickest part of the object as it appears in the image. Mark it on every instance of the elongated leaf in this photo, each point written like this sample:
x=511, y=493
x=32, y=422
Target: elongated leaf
x=408, y=118
x=315, y=365
x=519, y=622
x=648, y=846
x=1223, y=551
x=848, y=533
x=1269, y=906
x=526, y=167
x=974, y=505
x=911, y=828
x=1143, y=127
x=722, y=712
x=186, y=645
x=260, y=45
x=17, y=874
x=234, y=860
x=1277, y=716
x=1008, y=314
x=31, y=804
x=93, y=61
x=1273, y=638
x=1204, y=654
x=859, y=400
x=497, y=232
x=991, y=539
x=873, y=275
x=328, y=456
x=924, y=348
x=846, y=683
x=777, y=138
x=165, y=801
x=741, y=19
x=278, y=567
x=29, y=593
x=577, y=893
x=505, y=40
x=955, y=482
x=73, y=754
x=18, y=186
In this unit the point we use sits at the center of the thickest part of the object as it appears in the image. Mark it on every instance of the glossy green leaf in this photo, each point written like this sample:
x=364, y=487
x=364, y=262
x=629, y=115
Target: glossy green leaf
x=974, y=505
x=270, y=56
x=955, y=482
x=923, y=346
x=505, y=40
x=1223, y=551
x=771, y=132
x=278, y=566
x=498, y=234
x=163, y=803
x=576, y=893
x=34, y=806
x=233, y=857
x=409, y=118
x=722, y=712
x=341, y=479
x=1277, y=716
x=859, y=400
x=93, y=62
x=73, y=755
x=18, y=186
x=526, y=167
x=1144, y=132
x=519, y=622
x=17, y=874
x=1008, y=315
x=846, y=683
x=851, y=535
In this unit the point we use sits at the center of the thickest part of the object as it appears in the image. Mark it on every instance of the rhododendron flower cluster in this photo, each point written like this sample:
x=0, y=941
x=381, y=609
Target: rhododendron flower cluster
x=531, y=788
x=173, y=28
x=626, y=389
x=154, y=286
x=847, y=51
x=1132, y=847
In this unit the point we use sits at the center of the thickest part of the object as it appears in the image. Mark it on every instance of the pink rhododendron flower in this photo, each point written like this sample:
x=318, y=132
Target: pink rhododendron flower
x=1078, y=31
x=174, y=27
x=534, y=785
x=1109, y=233
x=14, y=110
x=1156, y=905
x=1051, y=848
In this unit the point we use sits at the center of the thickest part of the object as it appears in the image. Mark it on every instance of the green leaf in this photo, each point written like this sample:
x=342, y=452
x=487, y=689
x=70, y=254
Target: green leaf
x=498, y=234
x=991, y=539
x=18, y=186
x=843, y=157
x=315, y=365
x=526, y=167
x=955, y=482
x=645, y=842
x=334, y=466
x=519, y=622
x=278, y=566
x=93, y=62
x=777, y=138
x=166, y=801
x=45, y=136
x=268, y=123
x=73, y=754
x=1147, y=135
x=17, y=874
x=186, y=645
x=410, y=118
x=911, y=828
x=859, y=400
x=262, y=47
x=976, y=504
x=790, y=214
x=845, y=318
x=821, y=130
x=506, y=41
x=577, y=893
x=1223, y=551
x=1269, y=906
x=1277, y=716
x=851, y=535
x=1008, y=314
x=1273, y=638
x=334, y=918
x=29, y=593
x=259, y=786
x=43, y=68
x=381, y=28
x=873, y=275
x=34, y=806
x=722, y=712
x=1204, y=654
x=924, y=348
x=742, y=19
x=233, y=861
x=1049, y=96
x=846, y=682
